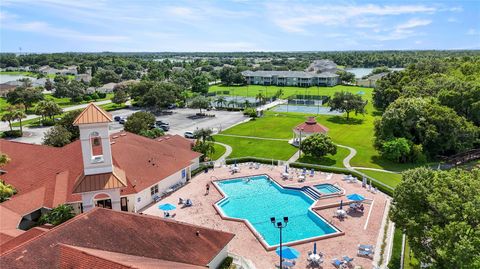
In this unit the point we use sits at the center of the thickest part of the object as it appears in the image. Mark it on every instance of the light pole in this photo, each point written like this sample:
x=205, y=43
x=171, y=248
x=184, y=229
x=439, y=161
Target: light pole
x=280, y=225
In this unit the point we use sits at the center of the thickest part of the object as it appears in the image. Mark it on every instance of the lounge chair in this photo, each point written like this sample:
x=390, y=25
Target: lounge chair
x=364, y=253
x=181, y=201
x=156, y=197
x=365, y=247
x=312, y=173
x=347, y=260
x=338, y=263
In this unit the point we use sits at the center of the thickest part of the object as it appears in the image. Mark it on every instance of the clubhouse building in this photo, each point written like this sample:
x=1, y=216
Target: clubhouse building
x=319, y=73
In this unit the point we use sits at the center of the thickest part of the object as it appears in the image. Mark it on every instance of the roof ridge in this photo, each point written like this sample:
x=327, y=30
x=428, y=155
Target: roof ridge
x=94, y=106
x=78, y=248
x=55, y=228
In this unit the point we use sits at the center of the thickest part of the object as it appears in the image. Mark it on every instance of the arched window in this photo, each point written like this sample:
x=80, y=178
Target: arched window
x=96, y=146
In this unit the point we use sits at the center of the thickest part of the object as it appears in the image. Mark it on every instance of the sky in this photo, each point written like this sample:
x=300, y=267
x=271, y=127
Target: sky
x=236, y=25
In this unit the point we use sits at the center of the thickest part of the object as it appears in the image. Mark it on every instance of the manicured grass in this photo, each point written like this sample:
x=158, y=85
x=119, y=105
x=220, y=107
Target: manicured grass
x=219, y=151
x=113, y=106
x=19, y=73
x=253, y=90
x=270, y=149
x=330, y=160
x=66, y=102
x=390, y=179
x=409, y=261
x=396, y=250
x=270, y=126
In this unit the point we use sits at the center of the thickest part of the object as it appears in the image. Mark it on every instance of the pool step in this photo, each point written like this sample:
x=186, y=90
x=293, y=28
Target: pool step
x=311, y=192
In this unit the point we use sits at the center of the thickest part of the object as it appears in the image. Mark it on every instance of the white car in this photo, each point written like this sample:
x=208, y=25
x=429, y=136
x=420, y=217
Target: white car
x=189, y=135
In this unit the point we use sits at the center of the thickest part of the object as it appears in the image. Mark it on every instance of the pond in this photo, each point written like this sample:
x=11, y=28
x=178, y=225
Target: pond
x=361, y=72
x=7, y=77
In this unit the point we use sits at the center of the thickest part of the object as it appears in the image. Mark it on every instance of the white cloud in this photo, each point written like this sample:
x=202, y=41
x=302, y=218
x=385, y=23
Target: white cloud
x=413, y=23
x=472, y=31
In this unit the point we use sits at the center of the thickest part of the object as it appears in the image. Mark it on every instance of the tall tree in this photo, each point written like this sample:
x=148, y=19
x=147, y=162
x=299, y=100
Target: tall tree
x=139, y=122
x=47, y=109
x=25, y=96
x=57, y=136
x=347, y=102
x=318, y=145
x=439, y=211
x=200, y=102
x=200, y=84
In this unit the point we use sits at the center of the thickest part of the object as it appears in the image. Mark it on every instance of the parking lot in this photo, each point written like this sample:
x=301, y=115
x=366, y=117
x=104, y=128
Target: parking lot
x=180, y=123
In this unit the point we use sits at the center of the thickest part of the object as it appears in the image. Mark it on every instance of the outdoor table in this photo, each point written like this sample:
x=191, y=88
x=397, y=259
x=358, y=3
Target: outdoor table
x=236, y=169
x=315, y=257
x=301, y=177
x=341, y=212
x=285, y=174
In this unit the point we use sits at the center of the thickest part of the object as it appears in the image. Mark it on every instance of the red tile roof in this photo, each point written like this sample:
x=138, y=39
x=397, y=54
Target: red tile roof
x=24, y=237
x=311, y=126
x=92, y=114
x=125, y=233
x=45, y=176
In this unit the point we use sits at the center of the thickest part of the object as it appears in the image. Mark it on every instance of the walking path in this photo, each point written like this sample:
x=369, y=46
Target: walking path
x=272, y=104
x=228, y=151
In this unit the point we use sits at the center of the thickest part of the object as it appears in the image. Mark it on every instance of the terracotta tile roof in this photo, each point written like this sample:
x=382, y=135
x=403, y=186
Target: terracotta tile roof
x=24, y=237
x=87, y=183
x=92, y=114
x=125, y=233
x=78, y=257
x=49, y=181
x=311, y=126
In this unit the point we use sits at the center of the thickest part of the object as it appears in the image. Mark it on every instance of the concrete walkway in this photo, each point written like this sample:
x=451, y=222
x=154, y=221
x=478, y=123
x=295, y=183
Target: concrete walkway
x=228, y=151
x=346, y=161
x=294, y=157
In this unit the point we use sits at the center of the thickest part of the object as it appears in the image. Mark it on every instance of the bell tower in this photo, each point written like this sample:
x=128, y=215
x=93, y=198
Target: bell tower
x=96, y=150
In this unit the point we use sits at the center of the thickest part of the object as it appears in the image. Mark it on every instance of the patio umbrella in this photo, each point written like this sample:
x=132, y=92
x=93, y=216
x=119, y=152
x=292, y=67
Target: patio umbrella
x=166, y=207
x=341, y=204
x=355, y=197
x=315, y=248
x=288, y=253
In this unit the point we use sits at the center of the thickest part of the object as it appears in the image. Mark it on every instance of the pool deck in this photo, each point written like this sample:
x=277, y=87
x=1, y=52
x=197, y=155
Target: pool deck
x=359, y=228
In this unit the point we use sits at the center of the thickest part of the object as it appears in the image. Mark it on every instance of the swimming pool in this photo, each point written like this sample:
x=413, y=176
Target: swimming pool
x=260, y=198
x=305, y=109
x=327, y=189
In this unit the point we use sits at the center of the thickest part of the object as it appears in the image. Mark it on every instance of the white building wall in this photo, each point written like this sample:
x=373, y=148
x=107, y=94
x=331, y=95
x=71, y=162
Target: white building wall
x=144, y=197
x=215, y=263
x=114, y=195
x=91, y=168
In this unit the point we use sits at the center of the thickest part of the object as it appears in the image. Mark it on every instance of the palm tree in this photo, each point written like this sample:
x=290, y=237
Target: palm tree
x=260, y=97
x=19, y=114
x=204, y=134
x=232, y=103
x=279, y=93
x=246, y=103
x=220, y=101
x=8, y=117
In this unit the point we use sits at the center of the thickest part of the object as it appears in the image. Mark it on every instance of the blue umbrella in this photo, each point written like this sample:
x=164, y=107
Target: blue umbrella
x=286, y=168
x=288, y=253
x=355, y=197
x=315, y=248
x=166, y=207
x=341, y=204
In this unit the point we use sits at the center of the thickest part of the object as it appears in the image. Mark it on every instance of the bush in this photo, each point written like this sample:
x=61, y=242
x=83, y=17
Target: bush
x=226, y=263
x=77, y=99
x=94, y=96
x=13, y=134
x=87, y=98
x=48, y=122
x=101, y=95
x=250, y=111
x=152, y=133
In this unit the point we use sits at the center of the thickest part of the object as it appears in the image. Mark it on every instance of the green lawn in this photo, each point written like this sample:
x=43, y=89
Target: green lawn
x=390, y=179
x=19, y=73
x=330, y=160
x=270, y=149
x=66, y=102
x=219, y=151
x=253, y=90
x=409, y=261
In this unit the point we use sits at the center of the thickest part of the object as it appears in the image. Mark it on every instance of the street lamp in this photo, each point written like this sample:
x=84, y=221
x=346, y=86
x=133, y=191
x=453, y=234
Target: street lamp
x=280, y=225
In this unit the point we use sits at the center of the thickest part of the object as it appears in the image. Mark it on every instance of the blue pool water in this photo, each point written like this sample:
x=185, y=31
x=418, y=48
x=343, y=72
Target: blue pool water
x=327, y=188
x=305, y=109
x=260, y=198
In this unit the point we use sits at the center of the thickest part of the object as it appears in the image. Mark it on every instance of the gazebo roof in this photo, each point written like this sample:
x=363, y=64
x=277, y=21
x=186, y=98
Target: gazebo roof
x=310, y=126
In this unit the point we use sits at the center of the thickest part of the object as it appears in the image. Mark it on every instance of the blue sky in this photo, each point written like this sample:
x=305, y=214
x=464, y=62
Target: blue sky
x=241, y=25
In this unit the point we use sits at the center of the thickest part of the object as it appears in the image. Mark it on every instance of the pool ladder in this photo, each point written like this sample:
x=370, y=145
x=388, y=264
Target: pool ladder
x=311, y=192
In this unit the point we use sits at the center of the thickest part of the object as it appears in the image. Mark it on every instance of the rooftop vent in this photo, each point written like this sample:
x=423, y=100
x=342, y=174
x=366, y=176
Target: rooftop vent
x=115, y=136
x=197, y=233
x=123, y=134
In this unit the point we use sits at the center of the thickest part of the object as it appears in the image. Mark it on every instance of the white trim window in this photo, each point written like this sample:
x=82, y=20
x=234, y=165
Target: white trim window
x=154, y=190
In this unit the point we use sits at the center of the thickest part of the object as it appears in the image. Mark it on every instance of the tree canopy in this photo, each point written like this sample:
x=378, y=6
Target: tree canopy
x=200, y=102
x=439, y=211
x=58, y=215
x=57, y=136
x=347, y=102
x=318, y=145
x=25, y=96
x=139, y=122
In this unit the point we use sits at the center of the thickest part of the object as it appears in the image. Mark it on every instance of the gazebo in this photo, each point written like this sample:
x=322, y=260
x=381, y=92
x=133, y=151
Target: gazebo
x=306, y=129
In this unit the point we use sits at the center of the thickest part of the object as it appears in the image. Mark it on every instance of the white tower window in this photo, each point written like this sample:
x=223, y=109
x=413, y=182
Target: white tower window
x=96, y=147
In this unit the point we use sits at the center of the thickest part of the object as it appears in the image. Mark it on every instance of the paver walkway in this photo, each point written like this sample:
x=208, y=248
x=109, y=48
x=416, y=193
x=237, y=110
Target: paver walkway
x=228, y=151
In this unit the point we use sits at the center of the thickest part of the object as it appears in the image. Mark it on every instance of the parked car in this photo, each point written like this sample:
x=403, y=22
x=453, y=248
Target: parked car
x=164, y=127
x=172, y=106
x=122, y=121
x=160, y=122
x=189, y=135
x=117, y=118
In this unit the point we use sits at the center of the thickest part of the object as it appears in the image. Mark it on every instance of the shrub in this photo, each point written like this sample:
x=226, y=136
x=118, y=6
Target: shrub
x=226, y=263
x=152, y=133
x=13, y=133
x=396, y=150
x=87, y=98
x=77, y=99
x=48, y=122
x=58, y=215
x=101, y=95
x=94, y=96
x=250, y=111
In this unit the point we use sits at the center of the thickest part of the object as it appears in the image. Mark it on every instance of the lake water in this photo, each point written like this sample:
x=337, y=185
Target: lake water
x=7, y=77
x=361, y=72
